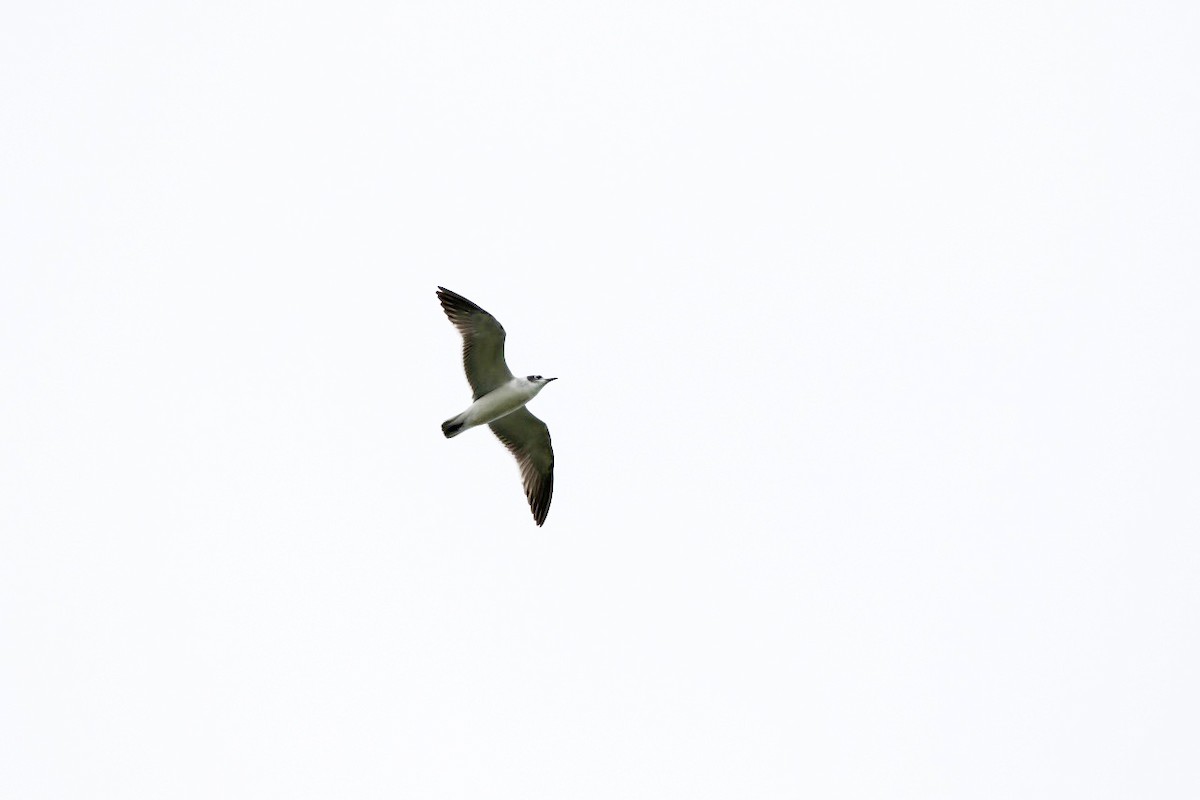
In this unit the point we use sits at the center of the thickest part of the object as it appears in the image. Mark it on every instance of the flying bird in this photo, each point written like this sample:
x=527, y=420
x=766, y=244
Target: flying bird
x=500, y=400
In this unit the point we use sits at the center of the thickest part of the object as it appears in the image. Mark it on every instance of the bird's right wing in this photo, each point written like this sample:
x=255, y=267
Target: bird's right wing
x=528, y=438
x=483, y=342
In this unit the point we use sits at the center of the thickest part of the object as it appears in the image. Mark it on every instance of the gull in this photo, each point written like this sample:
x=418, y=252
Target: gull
x=500, y=400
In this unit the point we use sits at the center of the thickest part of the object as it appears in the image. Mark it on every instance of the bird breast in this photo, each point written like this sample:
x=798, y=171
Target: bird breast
x=501, y=400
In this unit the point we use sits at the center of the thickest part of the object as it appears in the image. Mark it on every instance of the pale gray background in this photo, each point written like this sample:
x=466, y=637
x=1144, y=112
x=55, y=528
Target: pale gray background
x=876, y=325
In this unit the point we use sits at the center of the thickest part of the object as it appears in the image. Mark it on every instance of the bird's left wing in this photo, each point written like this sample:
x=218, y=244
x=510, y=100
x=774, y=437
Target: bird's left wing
x=483, y=342
x=528, y=439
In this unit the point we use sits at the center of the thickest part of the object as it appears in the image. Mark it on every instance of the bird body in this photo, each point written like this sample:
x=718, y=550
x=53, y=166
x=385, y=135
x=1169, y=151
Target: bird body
x=504, y=399
x=500, y=400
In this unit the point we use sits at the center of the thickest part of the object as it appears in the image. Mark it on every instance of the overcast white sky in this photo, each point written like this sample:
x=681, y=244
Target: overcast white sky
x=876, y=433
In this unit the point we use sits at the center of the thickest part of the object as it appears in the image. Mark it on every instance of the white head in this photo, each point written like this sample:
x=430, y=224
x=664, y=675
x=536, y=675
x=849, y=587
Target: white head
x=539, y=381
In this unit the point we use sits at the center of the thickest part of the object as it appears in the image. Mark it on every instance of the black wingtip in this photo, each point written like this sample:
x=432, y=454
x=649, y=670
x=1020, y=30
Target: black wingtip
x=539, y=503
x=455, y=305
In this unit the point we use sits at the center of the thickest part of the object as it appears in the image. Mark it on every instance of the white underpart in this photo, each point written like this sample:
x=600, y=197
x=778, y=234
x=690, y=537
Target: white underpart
x=504, y=399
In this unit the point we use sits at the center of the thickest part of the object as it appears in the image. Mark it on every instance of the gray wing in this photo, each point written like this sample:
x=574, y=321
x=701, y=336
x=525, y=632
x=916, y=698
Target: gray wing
x=528, y=438
x=483, y=342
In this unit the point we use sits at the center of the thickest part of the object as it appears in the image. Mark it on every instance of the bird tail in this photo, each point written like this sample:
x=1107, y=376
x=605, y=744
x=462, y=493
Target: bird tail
x=453, y=426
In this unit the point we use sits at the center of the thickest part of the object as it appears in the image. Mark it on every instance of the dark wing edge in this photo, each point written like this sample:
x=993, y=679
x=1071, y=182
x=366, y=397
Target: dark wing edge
x=483, y=341
x=528, y=439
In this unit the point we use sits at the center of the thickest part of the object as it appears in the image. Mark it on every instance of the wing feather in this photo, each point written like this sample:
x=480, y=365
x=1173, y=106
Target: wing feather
x=528, y=439
x=483, y=342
